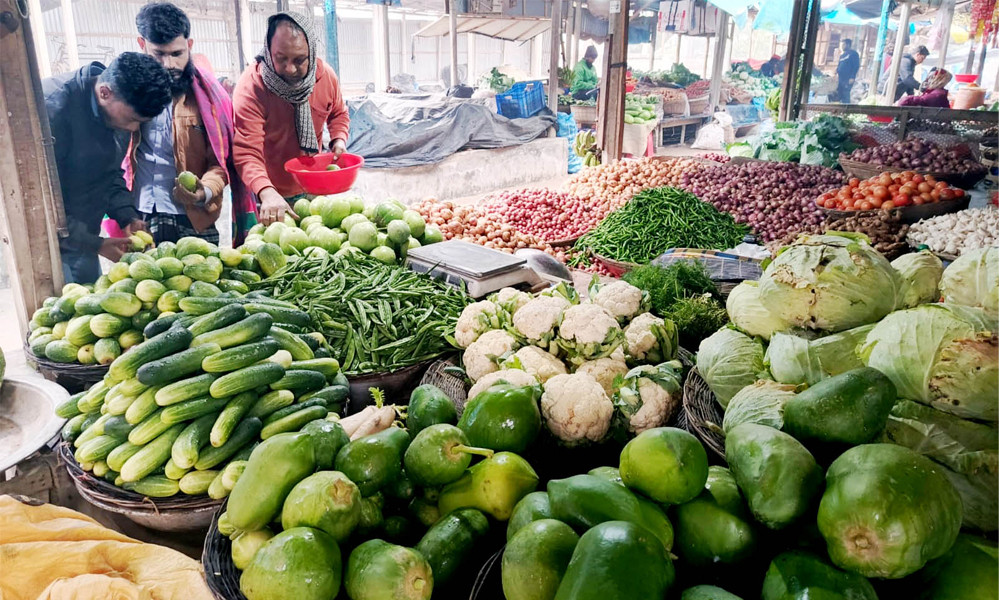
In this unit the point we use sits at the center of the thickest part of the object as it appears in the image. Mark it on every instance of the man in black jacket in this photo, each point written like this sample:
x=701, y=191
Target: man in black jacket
x=91, y=113
x=847, y=70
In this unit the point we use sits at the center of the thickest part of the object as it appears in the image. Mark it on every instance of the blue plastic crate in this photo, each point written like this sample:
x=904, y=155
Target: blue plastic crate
x=522, y=100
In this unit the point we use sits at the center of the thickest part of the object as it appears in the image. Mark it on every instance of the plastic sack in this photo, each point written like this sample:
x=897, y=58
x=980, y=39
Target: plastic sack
x=715, y=136
x=566, y=128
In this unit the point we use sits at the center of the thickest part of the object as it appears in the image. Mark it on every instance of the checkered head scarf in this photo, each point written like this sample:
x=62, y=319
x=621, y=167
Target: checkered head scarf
x=297, y=94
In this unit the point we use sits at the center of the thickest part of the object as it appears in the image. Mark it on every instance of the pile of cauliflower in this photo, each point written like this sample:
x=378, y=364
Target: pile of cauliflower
x=604, y=363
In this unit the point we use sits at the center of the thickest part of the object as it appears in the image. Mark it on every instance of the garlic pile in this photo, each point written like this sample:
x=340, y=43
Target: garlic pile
x=957, y=233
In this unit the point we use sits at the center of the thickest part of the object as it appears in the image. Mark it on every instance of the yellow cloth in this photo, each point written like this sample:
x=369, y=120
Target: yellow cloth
x=52, y=553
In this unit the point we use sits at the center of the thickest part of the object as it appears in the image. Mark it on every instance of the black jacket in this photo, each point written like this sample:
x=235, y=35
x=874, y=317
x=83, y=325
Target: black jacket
x=89, y=158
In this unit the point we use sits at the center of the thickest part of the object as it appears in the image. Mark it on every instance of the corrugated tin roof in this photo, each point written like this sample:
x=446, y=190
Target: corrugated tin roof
x=503, y=28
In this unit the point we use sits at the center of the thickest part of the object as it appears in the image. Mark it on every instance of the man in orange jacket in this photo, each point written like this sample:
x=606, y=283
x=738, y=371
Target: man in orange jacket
x=282, y=103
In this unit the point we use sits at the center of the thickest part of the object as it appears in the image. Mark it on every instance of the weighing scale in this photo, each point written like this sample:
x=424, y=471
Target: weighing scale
x=483, y=270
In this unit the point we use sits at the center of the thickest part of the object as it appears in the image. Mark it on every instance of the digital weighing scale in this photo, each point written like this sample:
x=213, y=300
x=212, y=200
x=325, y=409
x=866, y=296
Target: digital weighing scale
x=483, y=270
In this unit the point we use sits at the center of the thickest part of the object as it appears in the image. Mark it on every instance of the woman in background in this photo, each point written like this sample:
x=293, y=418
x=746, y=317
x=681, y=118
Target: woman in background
x=932, y=92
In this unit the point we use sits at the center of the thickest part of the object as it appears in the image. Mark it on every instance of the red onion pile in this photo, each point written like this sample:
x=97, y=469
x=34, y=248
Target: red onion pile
x=546, y=214
x=919, y=155
x=716, y=157
x=774, y=198
x=698, y=88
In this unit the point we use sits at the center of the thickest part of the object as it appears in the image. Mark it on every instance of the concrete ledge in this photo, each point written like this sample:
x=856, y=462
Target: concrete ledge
x=467, y=173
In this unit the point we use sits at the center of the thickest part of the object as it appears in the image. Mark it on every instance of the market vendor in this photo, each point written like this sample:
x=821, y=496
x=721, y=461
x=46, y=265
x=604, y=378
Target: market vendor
x=194, y=133
x=847, y=70
x=282, y=103
x=907, y=82
x=91, y=113
x=774, y=66
x=932, y=91
x=585, y=81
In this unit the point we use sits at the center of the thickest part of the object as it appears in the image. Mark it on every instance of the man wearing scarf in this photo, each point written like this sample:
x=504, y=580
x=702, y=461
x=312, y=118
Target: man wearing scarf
x=194, y=133
x=282, y=103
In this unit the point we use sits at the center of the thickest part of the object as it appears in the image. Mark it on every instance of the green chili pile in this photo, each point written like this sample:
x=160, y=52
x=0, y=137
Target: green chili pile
x=656, y=220
x=376, y=317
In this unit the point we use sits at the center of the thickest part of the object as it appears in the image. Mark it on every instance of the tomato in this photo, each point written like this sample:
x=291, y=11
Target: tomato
x=885, y=179
x=893, y=189
x=907, y=175
x=918, y=201
x=930, y=179
x=876, y=203
x=958, y=193
x=880, y=191
x=947, y=194
x=854, y=182
x=941, y=185
x=888, y=205
x=906, y=201
x=858, y=196
x=935, y=196
x=866, y=206
x=906, y=190
x=917, y=179
x=924, y=187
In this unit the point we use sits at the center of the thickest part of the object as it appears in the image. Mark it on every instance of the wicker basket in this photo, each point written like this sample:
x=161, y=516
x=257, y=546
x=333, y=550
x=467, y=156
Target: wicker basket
x=907, y=214
x=179, y=513
x=677, y=106
x=863, y=170
x=221, y=575
x=396, y=384
x=584, y=114
x=563, y=242
x=451, y=384
x=72, y=376
x=704, y=415
x=617, y=267
x=698, y=105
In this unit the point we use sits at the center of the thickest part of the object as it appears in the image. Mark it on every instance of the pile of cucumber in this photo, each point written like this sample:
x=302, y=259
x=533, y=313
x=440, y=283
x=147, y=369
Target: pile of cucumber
x=181, y=411
x=95, y=323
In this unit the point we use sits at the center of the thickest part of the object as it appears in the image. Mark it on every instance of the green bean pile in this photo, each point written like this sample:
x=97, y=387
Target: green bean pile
x=376, y=317
x=656, y=220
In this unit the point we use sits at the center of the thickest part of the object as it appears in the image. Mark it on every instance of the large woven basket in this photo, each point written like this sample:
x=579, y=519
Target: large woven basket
x=179, y=513
x=863, y=170
x=450, y=383
x=704, y=414
x=907, y=214
x=584, y=114
x=72, y=376
x=699, y=105
x=221, y=575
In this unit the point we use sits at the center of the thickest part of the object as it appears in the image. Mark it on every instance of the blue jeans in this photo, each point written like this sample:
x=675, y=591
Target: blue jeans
x=79, y=267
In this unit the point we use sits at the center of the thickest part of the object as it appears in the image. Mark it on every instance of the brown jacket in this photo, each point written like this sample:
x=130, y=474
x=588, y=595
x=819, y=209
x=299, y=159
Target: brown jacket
x=192, y=152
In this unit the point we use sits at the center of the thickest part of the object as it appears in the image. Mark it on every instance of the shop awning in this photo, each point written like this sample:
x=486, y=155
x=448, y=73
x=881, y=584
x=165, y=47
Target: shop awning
x=513, y=29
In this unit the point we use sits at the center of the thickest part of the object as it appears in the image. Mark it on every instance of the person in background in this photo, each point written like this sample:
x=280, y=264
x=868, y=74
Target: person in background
x=847, y=70
x=932, y=91
x=227, y=84
x=772, y=67
x=281, y=104
x=907, y=82
x=585, y=82
x=91, y=111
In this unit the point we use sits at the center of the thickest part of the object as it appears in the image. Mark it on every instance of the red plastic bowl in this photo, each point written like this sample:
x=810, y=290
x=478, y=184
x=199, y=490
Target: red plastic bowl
x=629, y=87
x=310, y=172
x=966, y=78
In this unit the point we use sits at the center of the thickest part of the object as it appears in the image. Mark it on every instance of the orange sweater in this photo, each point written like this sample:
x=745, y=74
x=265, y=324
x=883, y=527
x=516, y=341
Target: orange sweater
x=264, y=120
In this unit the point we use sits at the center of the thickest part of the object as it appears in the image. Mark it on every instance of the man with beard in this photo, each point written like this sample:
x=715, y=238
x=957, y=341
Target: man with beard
x=194, y=133
x=91, y=111
x=282, y=103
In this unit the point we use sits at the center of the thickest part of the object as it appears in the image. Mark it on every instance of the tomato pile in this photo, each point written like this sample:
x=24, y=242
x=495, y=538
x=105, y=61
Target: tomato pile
x=889, y=190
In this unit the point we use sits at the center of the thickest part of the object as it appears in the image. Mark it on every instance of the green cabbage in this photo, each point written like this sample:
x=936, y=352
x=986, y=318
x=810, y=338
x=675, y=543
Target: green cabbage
x=920, y=274
x=746, y=312
x=829, y=282
x=967, y=451
x=728, y=361
x=942, y=355
x=973, y=280
x=762, y=403
x=796, y=360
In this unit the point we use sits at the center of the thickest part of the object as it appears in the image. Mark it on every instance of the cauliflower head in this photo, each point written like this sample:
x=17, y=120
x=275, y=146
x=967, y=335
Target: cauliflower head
x=512, y=376
x=537, y=320
x=648, y=396
x=620, y=298
x=537, y=362
x=649, y=338
x=575, y=409
x=588, y=331
x=605, y=370
x=561, y=290
x=510, y=299
x=476, y=319
x=483, y=355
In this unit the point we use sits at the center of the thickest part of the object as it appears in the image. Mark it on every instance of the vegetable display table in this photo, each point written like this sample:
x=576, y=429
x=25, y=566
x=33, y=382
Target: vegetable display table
x=682, y=122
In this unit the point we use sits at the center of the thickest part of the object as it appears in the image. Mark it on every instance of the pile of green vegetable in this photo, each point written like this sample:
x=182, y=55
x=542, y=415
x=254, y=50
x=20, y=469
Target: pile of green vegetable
x=684, y=293
x=816, y=142
x=656, y=220
x=376, y=317
x=640, y=109
x=678, y=74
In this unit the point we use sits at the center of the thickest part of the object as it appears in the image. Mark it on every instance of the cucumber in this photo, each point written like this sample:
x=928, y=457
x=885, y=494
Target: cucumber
x=334, y=395
x=153, y=486
x=152, y=456
x=172, y=471
x=246, y=431
x=216, y=490
x=245, y=276
x=270, y=402
x=281, y=314
x=116, y=459
x=451, y=541
x=203, y=289
x=281, y=413
x=101, y=469
x=232, y=285
x=94, y=398
x=186, y=389
x=240, y=356
x=249, y=329
x=217, y=319
x=143, y=406
x=282, y=357
x=148, y=430
x=195, y=483
x=195, y=305
x=230, y=416
x=184, y=452
x=69, y=408
x=176, y=366
x=170, y=341
x=329, y=367
x=96, y=449
x=132, y=387
x=73, y=427
x=247, y=378
x=232, y=473
x=293, y=421
x=192, y=409
x=310, y=341
x=292, y=342
x=300, y=381
x=118, y=427
x=95, y=429
x=164, y=323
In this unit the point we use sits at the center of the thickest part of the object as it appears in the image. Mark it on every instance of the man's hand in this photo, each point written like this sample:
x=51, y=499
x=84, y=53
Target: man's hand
x=186, y=198
x=273, y=207
x=136, y=225
x=338, y=147
x=114, y=248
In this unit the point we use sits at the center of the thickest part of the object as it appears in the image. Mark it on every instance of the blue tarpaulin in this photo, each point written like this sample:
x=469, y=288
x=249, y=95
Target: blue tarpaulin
x=841, y=15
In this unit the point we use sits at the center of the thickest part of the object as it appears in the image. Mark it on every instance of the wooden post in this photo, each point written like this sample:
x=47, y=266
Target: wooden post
x=537, y=57
x=792, y=60
x=29, y=218
x=708, y=46
x=453, y=38
x=555, y=39
x=897, y=54
x=69, y=31
x=721, y=31
x=380, y=39
x=677, y=52
x=38, y=33
x=652, y=49
x=574, y=47
x=812, y=30
x=611, y=105
x=949, y=14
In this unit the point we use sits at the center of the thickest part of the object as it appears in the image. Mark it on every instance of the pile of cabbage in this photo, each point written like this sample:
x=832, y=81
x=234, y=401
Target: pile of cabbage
x=605, y=363
x=830, y=303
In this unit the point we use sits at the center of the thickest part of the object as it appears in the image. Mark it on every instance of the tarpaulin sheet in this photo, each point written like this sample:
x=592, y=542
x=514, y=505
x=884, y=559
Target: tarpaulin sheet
x=405, y=130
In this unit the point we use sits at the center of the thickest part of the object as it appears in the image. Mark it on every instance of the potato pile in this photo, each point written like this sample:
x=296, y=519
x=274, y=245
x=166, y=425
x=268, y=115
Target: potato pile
x=471, y=224
x=611, y=185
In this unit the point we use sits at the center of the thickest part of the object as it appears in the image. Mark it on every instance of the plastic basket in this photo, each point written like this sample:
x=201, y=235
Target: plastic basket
x=522, y=100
